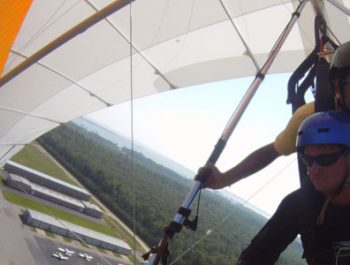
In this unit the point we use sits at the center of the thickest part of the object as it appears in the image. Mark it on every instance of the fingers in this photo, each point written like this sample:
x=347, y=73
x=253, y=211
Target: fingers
x=203, y=173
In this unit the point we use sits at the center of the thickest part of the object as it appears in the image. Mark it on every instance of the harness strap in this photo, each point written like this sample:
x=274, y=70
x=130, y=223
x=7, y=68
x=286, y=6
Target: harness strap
x=323, y=97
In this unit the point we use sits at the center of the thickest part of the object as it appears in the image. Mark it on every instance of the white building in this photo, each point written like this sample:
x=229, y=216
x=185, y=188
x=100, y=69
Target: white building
x=76, y=232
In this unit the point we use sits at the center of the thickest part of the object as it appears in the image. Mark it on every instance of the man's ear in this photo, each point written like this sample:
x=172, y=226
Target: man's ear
x=337, y=93
x=336, y=86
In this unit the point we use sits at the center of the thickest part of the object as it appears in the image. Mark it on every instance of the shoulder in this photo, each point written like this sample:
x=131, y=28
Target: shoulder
x=304, y=197
x=293, y=199
x=285, y=141
x=303, y=112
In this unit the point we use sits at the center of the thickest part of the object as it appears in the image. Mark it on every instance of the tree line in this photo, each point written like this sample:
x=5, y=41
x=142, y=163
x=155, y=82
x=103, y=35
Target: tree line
x=146, y=195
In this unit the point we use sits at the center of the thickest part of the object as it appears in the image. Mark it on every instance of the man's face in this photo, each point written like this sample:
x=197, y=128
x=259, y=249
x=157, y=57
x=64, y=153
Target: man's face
x=326, y=178
x=346, y=92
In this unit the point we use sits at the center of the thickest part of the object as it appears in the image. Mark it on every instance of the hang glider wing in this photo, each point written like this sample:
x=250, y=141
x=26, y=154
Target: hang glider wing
x=56, y=66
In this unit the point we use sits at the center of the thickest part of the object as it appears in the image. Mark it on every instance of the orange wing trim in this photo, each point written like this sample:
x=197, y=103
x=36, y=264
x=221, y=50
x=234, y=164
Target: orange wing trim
x=12, y=14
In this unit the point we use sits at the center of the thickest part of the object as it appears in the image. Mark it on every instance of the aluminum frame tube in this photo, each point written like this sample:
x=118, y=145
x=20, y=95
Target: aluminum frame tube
x=231, y=125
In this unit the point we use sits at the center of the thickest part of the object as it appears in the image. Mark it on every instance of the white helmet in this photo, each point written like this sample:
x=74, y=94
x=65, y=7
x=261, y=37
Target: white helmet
x=340, y=61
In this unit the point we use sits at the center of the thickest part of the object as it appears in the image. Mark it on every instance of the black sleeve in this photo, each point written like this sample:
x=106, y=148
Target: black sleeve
x=275, y=236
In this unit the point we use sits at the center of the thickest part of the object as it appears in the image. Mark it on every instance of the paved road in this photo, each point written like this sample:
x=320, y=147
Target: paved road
x=16, y=240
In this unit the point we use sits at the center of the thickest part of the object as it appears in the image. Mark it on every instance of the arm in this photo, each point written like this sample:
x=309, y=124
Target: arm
x=250, y=165
x=253, y=163
x=284, y=144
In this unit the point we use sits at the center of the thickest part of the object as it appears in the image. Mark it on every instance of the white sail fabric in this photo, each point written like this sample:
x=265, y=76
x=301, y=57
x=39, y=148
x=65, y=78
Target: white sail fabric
x=174, y=44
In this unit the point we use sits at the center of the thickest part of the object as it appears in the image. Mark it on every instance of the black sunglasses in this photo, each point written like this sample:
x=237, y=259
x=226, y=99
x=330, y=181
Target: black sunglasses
x=322, y=160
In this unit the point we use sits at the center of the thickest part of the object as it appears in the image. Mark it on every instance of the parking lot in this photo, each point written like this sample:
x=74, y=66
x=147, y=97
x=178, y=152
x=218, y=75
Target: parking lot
x=21, y=245
x=49, y=247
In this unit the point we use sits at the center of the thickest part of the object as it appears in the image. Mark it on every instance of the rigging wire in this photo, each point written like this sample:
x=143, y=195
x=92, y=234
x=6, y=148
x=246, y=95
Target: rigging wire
x=96, y=96
x=248, y=51
x=138, y=51
x=289, y=10
x=333, y=35
x=228, y=216
x=92, y=94
x=50, y=21
x=318, y=9
x=341, y=7
x=28, y=114
x=63, y=38
x=183, y=39
x=162, y=249
x=32, y=39
x=132, y=128
x=264, y=69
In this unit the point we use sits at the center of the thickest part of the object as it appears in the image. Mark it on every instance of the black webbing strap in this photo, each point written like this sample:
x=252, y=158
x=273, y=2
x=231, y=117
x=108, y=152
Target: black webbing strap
x=324, y=99
x=184, y=212
x=175, y=227
x=316, y=69
x=299, y=74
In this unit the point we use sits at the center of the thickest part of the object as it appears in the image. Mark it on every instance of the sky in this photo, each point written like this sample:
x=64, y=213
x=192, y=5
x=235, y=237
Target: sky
x=185, y=124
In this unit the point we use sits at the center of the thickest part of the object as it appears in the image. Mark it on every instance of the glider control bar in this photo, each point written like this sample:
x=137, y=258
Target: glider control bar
x=70, y=34
x=162, y=251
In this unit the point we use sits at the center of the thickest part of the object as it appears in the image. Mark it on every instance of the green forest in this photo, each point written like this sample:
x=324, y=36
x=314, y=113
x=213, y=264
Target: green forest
x=145, y=196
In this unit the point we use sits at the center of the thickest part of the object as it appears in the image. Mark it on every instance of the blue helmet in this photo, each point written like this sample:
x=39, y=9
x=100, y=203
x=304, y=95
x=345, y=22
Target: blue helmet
x=330, y=127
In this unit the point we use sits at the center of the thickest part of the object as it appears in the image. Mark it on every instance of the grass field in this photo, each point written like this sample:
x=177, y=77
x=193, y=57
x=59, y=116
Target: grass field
x=24, y=202
x=34, y=157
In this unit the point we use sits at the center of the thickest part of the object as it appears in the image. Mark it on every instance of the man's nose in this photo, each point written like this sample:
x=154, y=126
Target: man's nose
x=314, y=168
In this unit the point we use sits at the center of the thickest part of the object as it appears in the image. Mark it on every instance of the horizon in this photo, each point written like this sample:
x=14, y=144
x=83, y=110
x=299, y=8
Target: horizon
x=228, y=195
x=185, y=124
